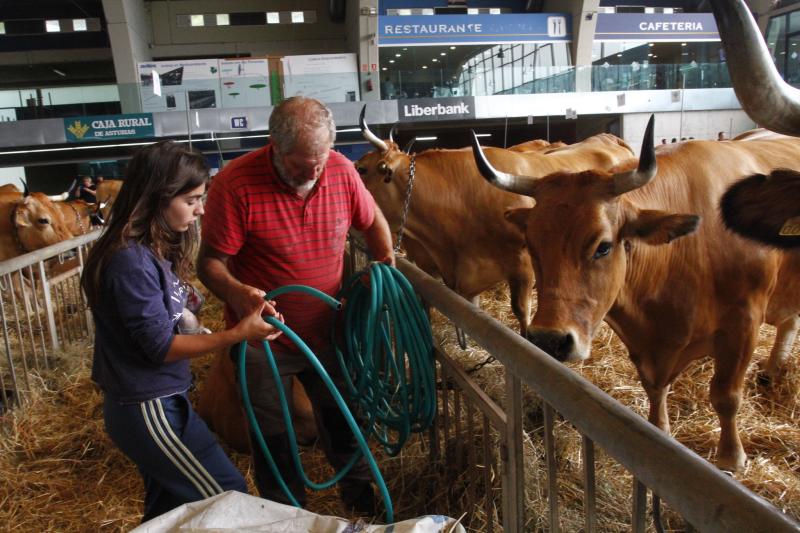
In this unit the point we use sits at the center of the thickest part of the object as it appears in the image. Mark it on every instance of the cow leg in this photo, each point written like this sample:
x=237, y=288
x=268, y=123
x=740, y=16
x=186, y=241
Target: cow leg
x=784, y=341
x=460, y=335
x=731, y=359
x=520, y=288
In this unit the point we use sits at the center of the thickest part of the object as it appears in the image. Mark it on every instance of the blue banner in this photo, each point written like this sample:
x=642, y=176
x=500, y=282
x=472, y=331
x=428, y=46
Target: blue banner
x=656, y=27
x=477, y=29
x=109, y=127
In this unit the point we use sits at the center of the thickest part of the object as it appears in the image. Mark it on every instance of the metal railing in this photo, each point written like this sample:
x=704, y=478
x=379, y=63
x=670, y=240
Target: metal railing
x=42, y=308
x=707, y=498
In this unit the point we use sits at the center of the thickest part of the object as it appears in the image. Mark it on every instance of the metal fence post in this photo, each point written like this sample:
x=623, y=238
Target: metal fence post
x=511, y=456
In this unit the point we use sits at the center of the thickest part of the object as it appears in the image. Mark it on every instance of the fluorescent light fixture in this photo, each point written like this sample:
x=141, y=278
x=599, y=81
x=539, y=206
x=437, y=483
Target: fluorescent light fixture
x=52, y=26
x=669, y=10
x=297, y=17
x=651, y=44
x=483, y=135
x=79, y=25
x=434, y=60
x=2, y=28
x=398, y=55
x=196, y=20
x=494, y=10
x=452, y=48
x=427, y=11
x=427, y=138
x=649, y=10
x=424, y=66
x=60, y=72
x=223, y=19
x=404, y=12
x=273, y=18
x=442, y=53
x=391, y=61
x=384, y=68
x=683, y=44
x=348, y=130
x=472, y=11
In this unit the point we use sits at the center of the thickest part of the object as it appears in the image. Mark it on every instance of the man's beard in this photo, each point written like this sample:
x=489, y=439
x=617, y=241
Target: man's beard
x=298, y=184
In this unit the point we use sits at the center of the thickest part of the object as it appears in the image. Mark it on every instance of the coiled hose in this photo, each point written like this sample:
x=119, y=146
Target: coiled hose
x=388, y=367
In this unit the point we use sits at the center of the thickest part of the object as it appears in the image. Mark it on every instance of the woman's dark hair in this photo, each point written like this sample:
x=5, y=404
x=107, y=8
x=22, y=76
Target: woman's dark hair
x=155, y=175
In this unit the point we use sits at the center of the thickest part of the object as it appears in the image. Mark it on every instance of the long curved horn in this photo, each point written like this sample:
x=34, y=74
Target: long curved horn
x=25, y=190
x=58, y=197
x=633, y=179
x=392, y=132
x=409, y=144
x=765, y=97
x=509, y=182
x=368, y=135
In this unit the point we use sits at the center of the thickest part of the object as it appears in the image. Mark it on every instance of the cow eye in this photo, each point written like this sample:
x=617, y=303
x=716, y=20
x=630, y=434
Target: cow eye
x=603, y=249
x=383, y=168
x=43, y=221
x=361, y=170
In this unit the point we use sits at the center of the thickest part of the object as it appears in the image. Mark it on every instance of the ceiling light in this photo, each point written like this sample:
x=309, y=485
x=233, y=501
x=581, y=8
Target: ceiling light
x=483, y=135
x=391, y=61
x=384, y=68
x=223, y=19
x=273, y=18
x=78, y=24
x=445, y=53
x=434, y=60
x=398, y=55
x=297, y=17
x=683, y=44
x=651, y=44
x=452, y=48
x=424, y=66
x=60, y=72
x=52, y=26
x=427, y=138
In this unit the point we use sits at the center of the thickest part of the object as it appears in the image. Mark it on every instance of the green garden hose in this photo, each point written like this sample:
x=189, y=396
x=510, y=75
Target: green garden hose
x=387, y=363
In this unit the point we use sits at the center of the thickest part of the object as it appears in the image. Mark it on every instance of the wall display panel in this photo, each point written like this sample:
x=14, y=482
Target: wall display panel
x=327, y=77
x=193, y=82
x=244, y=82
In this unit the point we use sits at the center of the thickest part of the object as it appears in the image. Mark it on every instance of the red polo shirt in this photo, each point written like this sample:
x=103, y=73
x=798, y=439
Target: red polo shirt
x=277, y=238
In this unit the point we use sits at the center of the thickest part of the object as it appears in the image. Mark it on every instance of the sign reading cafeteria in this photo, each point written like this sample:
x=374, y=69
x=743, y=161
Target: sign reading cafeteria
x=109, y=127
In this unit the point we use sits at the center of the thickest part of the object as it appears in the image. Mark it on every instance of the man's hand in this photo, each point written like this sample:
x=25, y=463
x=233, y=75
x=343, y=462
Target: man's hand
x=244, y=299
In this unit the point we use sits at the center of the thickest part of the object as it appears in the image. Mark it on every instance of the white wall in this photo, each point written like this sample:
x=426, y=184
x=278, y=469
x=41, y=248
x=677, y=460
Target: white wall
x=12, y=175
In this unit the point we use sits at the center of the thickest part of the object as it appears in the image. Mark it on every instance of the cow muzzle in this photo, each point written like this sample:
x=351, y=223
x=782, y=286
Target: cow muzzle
x=561, y=345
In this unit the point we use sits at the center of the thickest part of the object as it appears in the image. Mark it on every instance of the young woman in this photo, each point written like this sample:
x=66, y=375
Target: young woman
x=134, y=280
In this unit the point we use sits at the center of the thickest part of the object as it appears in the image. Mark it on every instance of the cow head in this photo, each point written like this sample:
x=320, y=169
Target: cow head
x=38, y=222
x=387, y=161
x=580, y=233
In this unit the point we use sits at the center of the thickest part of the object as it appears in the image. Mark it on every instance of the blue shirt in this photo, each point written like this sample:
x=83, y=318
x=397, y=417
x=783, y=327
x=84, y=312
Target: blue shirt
x=141, y=301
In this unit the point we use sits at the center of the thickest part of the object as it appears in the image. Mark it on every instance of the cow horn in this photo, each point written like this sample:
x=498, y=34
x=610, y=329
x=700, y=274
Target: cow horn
x=26, y=191
x=392, y=132
x=768, y=100
x=409, y=144
x=628, y=181
x=368, y=135
x=59, y=197
x=509, y=182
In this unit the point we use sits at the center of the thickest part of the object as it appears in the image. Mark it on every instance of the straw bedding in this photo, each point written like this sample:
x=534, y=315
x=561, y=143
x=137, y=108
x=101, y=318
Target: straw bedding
x=61, y=473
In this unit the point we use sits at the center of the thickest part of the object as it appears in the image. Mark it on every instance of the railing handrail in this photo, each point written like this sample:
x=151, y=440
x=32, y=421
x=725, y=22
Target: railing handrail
x=703, y=495
x=31, y=258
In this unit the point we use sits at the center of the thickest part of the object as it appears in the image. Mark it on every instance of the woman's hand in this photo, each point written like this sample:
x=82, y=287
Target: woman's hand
x=254, y=328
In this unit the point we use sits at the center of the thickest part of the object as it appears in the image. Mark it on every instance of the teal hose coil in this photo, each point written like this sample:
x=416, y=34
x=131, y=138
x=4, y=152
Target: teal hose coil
x=388, y=365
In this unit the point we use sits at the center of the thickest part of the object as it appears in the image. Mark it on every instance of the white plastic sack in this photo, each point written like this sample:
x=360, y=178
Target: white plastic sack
x=234, y=511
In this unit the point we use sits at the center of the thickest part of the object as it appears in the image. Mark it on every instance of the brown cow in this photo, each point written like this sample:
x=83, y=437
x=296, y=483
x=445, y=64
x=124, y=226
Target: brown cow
x=602, y=245
x=28, y=223
x=454, y=226
x=107, y=191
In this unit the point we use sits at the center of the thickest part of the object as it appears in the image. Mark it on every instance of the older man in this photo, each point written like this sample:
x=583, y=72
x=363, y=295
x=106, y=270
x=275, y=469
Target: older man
x=280, y=216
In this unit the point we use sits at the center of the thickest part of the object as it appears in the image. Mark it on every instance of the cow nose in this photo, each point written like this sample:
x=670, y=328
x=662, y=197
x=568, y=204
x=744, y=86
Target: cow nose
x=558, y=344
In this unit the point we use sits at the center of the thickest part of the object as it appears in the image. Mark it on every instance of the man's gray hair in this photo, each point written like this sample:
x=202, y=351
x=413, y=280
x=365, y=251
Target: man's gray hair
x=297, y=116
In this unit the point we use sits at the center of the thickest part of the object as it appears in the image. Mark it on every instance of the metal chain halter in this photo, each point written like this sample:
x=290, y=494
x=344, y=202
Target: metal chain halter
x=407, y=203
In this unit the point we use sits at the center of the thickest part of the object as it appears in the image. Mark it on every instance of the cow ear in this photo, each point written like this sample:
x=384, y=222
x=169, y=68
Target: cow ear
x=519, y=217
x=659, y=227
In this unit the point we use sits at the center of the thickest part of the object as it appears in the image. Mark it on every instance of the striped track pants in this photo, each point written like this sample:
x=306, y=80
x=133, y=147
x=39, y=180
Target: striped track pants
x=177, y=455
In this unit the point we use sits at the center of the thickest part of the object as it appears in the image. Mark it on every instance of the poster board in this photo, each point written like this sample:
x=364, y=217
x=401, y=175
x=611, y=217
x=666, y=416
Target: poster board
x=244, y=82
x=327, y=77
x=195, y=82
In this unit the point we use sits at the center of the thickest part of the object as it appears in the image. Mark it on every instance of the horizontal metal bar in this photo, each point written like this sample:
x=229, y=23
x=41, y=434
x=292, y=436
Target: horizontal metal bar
x=709, y=499
x=42, y=254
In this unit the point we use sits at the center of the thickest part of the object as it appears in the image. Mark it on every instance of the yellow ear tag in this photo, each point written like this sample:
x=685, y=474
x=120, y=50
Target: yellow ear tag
x=791, y=228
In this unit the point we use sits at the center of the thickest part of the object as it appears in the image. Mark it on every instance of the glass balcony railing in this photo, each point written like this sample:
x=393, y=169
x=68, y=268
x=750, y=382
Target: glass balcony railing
x=25, y=104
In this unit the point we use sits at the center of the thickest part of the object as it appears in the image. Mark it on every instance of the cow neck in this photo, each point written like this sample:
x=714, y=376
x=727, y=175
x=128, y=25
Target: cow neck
x=15, y=229
x=412, y=170
x=78, y=218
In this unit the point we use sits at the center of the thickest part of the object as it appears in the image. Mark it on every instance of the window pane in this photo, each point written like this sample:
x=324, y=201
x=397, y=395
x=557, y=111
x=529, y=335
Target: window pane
x=223, y=19
x=79, y=24
x=776, y=39
x=52, y=26
x=196, y=20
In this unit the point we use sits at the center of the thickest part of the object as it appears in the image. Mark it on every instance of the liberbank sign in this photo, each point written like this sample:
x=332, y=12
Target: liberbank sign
x=422, y=30
x=432, y=109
